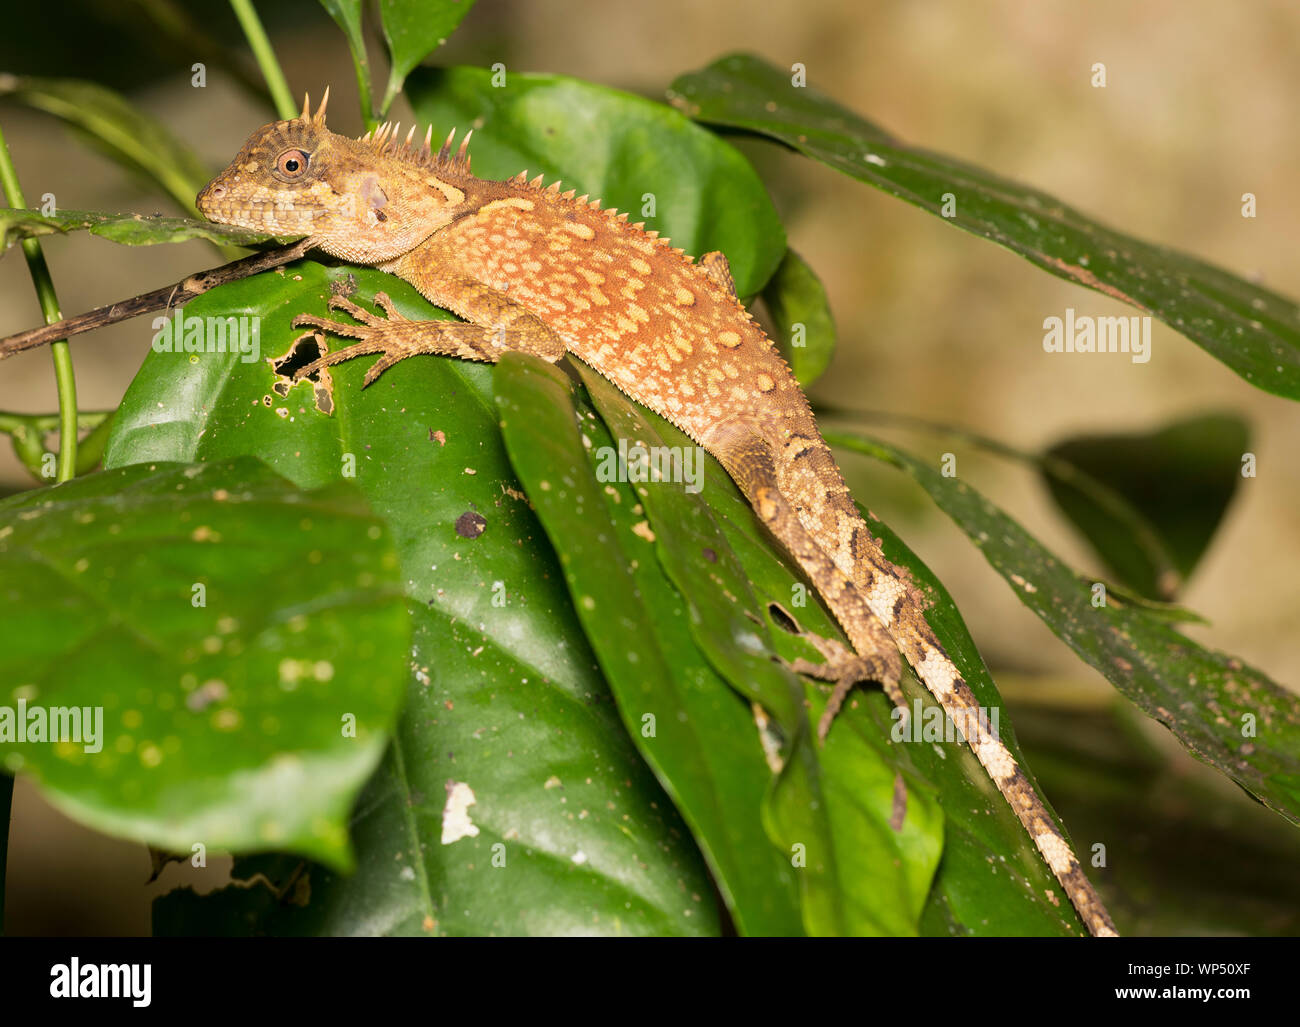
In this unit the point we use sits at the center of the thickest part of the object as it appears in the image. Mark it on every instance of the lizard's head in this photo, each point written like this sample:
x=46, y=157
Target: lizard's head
x=364, y=200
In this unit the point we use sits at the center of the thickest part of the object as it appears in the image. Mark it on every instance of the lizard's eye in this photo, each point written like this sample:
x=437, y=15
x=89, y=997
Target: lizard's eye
x=291, y=163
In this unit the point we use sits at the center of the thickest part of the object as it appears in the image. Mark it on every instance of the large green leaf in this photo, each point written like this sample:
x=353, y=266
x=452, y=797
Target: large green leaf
x=1150, y=503
x=129, y=229
x=1226, y=713
x=504, y=697
x=629, y=152
x=1250, y=329
x=566, y=845
x=228, y=627
x=696, y=734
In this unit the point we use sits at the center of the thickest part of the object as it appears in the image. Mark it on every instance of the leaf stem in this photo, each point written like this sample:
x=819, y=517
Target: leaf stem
x=1047, y=464
x=367, y=101
x=265, y=55
x=64, y=375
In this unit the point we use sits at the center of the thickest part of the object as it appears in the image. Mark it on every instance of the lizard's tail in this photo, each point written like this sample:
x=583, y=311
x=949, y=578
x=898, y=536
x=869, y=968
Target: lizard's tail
x=899, y=606
x=879, y=608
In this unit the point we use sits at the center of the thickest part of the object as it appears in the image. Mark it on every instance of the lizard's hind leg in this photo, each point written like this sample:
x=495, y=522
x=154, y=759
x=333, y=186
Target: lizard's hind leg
x=845, y=668
x=748, y=459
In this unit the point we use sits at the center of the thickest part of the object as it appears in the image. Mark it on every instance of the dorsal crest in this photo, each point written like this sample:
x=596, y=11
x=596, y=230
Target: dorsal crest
x=384, y=142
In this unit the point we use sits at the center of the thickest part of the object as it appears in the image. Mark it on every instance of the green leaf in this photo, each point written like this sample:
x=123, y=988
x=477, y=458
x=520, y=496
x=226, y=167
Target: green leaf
x=128, y=229
x=695, y=733
x=347, y=15
x=130, y=137
x=796, y=299
x=1253, y=331
x=1173, y=487
x=504, y=695
x=635, y=155
x=1224, y=712
x=227, y=627
x=584, y=853
x=413, y=30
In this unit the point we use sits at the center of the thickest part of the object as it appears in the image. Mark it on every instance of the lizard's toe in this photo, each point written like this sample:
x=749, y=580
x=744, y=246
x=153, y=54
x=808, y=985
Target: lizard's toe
x=351, y=331
x=354, y=310
x=384, y=303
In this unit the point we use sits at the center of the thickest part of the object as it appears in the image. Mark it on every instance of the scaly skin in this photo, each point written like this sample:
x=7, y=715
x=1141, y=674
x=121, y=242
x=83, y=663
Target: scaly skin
x=531, y=268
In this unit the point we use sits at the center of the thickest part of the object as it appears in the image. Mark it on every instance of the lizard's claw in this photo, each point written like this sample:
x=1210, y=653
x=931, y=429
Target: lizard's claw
x=846, y=668
x=370, y=331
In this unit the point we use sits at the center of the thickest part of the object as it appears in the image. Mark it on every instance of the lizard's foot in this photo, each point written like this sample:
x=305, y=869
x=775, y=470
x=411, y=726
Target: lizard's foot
x=846, y=668
x=377, y=335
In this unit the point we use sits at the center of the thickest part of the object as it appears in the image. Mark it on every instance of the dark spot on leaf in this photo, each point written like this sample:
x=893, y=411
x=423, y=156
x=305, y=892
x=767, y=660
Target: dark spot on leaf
x=470, y=524
x=782, y=619
x=710, y=555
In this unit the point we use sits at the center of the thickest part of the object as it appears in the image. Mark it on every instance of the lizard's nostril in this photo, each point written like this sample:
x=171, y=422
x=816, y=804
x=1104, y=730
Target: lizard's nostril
x=217, y=192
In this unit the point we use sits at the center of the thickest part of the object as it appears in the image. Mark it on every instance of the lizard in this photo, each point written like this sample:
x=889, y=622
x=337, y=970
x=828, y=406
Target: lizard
x=532, y=268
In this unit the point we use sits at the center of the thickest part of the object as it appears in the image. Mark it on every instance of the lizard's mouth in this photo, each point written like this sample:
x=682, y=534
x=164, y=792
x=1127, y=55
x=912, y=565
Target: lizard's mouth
x=218, y=202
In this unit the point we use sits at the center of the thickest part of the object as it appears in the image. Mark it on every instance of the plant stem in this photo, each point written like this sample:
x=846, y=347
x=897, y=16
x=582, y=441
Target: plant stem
x=64, y=376
x=27, y=432
x=265, y=55
x=362, y=66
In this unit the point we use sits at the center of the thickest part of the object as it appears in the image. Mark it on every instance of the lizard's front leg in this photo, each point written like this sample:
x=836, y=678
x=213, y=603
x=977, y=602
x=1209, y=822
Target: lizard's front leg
x=397, y=337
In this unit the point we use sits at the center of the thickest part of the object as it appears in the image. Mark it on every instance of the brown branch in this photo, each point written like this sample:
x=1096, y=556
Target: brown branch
x=168, y=296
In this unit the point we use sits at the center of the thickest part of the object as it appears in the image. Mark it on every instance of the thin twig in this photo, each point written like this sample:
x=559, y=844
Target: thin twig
x=167, y=297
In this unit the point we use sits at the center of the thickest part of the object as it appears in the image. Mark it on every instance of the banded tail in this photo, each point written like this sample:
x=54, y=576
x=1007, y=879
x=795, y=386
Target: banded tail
x=899, y=608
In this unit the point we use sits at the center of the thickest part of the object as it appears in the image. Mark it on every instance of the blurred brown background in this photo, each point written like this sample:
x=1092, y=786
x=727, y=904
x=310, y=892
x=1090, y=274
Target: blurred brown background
x=1200, y=107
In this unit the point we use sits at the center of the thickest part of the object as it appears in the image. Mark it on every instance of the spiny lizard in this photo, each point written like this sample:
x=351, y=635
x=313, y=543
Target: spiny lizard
x=534, y=269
